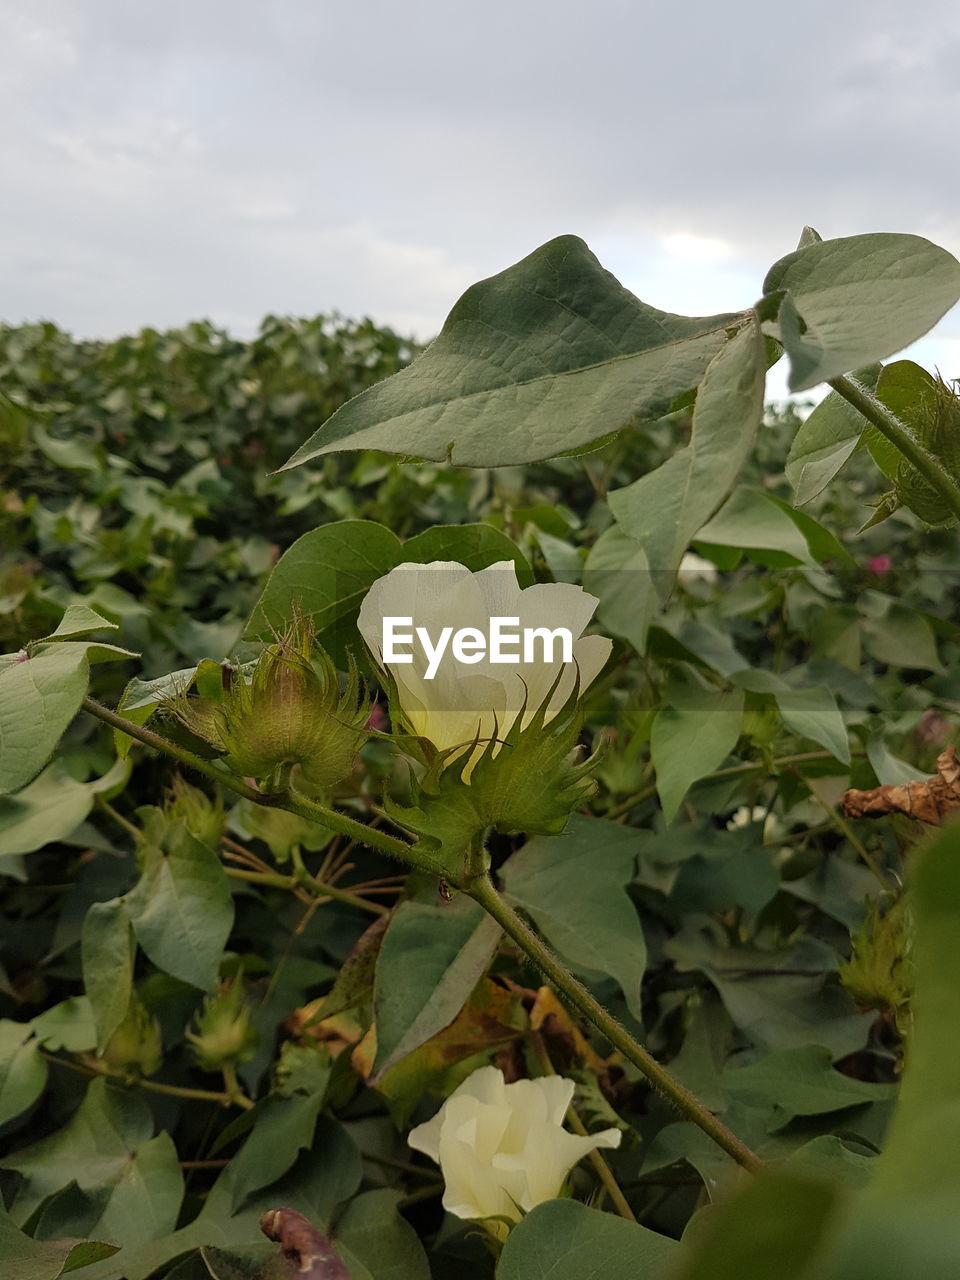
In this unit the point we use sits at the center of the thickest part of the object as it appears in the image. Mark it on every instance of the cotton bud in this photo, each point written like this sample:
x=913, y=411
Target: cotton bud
x=221, y=1033
x=290, y=715
x=136, y=1045
x=204, y=818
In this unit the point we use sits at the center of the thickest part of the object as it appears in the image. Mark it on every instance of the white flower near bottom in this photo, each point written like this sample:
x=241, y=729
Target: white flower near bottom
x=502, y=1148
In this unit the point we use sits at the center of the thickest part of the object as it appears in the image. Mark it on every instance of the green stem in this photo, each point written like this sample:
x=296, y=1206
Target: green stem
x=238, y=1098
x=321, y=889
x=482, y=890
x=291, y=801
x=902, y=436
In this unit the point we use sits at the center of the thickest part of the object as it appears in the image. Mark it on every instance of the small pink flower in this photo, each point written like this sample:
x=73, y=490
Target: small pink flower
x=881, y=564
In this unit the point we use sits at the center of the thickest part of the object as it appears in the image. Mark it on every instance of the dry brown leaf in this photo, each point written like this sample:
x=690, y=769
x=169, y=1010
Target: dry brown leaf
x=931, y=801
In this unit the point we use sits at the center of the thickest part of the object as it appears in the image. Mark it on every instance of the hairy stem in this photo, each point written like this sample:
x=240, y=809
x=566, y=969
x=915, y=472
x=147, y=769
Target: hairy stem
x=291, y=801
x=482, y=890
x=905, y=439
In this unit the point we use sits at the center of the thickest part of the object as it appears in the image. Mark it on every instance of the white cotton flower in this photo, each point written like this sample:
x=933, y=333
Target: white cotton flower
x=460, y=700
x=502, y=1148
x=693, y=567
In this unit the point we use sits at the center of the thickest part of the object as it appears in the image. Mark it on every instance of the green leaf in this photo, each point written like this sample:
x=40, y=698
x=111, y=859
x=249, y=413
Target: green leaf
x=474, y=545
x=825, y=441
x=430, y=960
x=326, y=574
x=95, y=1149
x=690, y=738
x=51, y=807
x=799, y=1082
x=317, y=1184
x=181, y=909
x=564, y=1240
x=23, y=1073
x=107, y=953
x=68, y=1025
x=898, y=635
x=80, y=620
x=618, y=574
x=853, y=301
x=574, y=888
x=751, y=520
x=376, y=1243
x=39, y=696
x=776, y=1227
x=23, y=1258
x=920, y=1157
x=664, y=509
x=544, y=358
x=282, y=1126
x=811, y=712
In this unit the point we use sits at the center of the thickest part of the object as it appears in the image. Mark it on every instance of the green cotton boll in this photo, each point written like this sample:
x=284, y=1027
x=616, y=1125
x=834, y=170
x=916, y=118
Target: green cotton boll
x=879, y=973
x=204, y=818
x=290, y=715
x=530, y=781
x=936, y=421
x=221, y=1032
x=136, y=1045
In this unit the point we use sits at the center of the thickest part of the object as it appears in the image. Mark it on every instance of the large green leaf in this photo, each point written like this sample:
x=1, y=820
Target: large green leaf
x=574, y=888
x=326, y=574
x=107, y=951
x=181, y=908
x=618, y=574
x=281, y=1127
x=39, y=696
x=100, y=1149
x=799, y=1082
x=328, y=571
x=774, y=1230
x=473, y=545
x=41, y=689
x=690, y=738
x=664, y=509
x=376, y=1243
x=23, y=1073
x=564, y=1240
x=320, y=1181
x=775, y=533
x=23, y=1258
x=430, y=960
x=51, y=807
x=853, y=301
x=544, y=358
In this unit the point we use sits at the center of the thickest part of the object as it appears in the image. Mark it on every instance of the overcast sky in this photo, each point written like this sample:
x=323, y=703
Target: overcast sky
x=165, y=162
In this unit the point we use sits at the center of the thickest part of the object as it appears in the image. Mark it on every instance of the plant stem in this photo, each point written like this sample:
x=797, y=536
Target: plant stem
x=291, y=801
x=322, y=888
x=482, y=890
x=238, y=1098
x=902, y=436
x=232, y=1087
